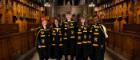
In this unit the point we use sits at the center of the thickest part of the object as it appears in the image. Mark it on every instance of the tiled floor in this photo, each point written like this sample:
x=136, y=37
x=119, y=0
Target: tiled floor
x=36, y=57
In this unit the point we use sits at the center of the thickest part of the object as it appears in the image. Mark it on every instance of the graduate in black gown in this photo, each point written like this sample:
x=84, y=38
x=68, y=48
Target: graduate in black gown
x=85, y=40
x=69, y=28
x=98, y=39
x=42, y=40
x=79, y=39
x=56, y=40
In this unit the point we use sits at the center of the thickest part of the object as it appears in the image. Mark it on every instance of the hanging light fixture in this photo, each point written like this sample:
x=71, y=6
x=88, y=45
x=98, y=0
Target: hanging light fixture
x=96, y=9
x=42, y=8
x=91, y=4
x=47, y=4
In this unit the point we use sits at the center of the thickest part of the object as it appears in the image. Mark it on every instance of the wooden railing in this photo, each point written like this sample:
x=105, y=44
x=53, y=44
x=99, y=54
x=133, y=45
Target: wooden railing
x=14, y=45
x=8, y=29
x=127, y=45
x=132, y=28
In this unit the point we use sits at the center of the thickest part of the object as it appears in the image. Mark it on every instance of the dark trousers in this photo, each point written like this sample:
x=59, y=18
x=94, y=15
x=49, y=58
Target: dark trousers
x=54, y=51
x=66, y=48
x=43, y=53
x=49, y=51
x=72, y=51
x=59, y=53
x=79, y=52
x=97, y=53
x=72, y=48
x=86, y=51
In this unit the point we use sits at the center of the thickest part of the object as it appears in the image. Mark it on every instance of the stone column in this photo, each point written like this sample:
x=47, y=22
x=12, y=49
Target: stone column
x=52, y=8
x=64, y=3
x=84, y=7
x=82, y=2
x=73, y=2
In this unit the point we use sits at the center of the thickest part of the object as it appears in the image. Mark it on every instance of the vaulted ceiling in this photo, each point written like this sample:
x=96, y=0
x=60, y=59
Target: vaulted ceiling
x=76, y=2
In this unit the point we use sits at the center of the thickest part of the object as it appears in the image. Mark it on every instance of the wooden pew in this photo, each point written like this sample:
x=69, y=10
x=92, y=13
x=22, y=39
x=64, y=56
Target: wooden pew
x=8, y=28
x=14, y=45
x=127, y=45
x=132, y=28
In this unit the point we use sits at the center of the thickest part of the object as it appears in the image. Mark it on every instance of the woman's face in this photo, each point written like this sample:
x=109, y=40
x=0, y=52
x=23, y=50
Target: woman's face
x=56, y=21
x=44, y=22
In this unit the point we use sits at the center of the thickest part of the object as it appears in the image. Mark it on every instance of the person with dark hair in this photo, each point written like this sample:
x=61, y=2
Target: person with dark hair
x=79, y=39
x=56, y=40
x=85, y=41
x=98, y=33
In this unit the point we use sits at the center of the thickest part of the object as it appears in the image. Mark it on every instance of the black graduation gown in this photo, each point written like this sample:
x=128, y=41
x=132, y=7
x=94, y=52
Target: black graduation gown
x=72, y=37
x=56, y=43
x=68, y=29
x=86, y=42
x=42, y=43
x=98, y=43
x=79, y=50
x=65, y=38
